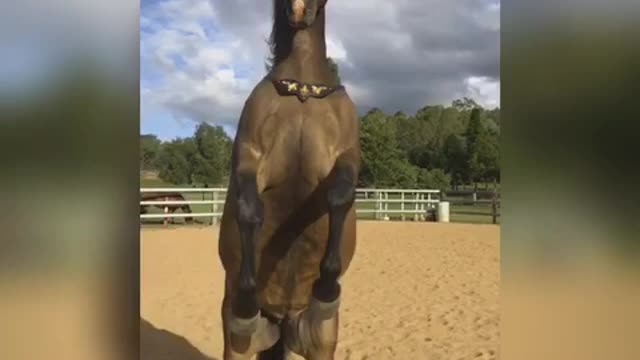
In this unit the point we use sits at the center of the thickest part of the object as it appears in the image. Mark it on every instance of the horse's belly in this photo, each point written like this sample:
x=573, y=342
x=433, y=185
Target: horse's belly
x=289, y=272
x=288, y=284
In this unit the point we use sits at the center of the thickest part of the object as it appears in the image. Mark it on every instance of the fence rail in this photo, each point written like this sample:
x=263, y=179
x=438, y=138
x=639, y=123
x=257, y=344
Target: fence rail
x=462, y=199
x=182, y=202
x=416, y=204
x=184, y=190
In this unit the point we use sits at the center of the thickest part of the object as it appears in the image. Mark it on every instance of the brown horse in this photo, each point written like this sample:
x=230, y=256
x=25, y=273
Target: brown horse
x=170, y=196
x=288, y=229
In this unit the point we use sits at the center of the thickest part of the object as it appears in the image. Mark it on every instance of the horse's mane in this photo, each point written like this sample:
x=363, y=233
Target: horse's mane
x=280, y=40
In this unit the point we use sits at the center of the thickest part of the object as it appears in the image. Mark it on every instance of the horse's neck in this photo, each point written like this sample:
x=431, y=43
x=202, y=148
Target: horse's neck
x=307, y=61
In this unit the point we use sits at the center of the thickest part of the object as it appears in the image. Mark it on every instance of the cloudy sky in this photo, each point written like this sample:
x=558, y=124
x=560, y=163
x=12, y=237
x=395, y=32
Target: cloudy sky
x=201, y=58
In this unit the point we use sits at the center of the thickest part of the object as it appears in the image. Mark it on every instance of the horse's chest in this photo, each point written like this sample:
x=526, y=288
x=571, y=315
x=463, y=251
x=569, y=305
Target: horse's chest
x=304, y=147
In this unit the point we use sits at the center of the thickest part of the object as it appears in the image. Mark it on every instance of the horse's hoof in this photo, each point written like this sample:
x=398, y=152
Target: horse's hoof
x=244, y=347
x=267, y=334
x=243, y=327
x=323, y=310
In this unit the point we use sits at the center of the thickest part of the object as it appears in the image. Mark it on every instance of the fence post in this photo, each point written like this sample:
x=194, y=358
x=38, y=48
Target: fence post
x=402, y=207
x=214, y=207
x=166, y=210
x=494, y=207
x=386, y=206
x=203, y=199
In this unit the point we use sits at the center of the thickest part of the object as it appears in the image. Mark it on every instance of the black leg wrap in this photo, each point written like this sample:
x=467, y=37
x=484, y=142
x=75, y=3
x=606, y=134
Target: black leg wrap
x=243, y=326
x=246, y=302
x=326, y=290
x=323, y=310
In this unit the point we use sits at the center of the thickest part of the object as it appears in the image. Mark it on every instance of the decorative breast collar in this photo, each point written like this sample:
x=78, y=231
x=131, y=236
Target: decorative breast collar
x=288, y=87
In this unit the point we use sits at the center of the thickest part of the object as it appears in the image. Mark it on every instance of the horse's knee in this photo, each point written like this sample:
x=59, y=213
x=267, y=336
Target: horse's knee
x=343, y=189
x=331, y=266
x=250, y=211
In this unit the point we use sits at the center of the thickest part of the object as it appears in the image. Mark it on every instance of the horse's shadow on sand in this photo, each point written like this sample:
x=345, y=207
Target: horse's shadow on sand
x=158, y=344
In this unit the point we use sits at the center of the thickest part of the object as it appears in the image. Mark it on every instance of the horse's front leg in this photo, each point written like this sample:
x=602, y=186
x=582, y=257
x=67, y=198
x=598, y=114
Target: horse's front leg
x=246, y=332
x=317, y=327
x=340, y=199
x=249, y=215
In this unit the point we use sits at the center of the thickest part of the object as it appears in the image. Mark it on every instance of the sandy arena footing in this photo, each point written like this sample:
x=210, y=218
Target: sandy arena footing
x=413, y=291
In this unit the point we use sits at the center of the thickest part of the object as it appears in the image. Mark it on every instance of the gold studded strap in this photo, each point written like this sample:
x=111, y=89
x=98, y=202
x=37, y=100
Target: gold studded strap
x=288, y=87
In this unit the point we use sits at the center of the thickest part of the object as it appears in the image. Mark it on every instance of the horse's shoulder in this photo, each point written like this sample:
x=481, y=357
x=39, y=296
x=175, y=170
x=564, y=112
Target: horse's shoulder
x=257, y=104
x=344, y=105
x=347, y=116
x=261, y=93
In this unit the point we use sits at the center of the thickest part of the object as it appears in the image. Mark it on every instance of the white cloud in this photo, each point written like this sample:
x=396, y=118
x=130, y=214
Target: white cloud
x=358, y=94
x=196, y=65
x=336, y=50
x=484, y=90
x=489, y=17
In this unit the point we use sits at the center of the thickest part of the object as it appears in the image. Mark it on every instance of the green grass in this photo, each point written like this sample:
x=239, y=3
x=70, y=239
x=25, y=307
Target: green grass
x=476, y=214
x=480, y=187
x=155, y=183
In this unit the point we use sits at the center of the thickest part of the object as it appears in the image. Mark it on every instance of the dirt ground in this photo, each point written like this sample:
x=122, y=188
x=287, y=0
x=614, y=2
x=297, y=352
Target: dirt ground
x=414, y=291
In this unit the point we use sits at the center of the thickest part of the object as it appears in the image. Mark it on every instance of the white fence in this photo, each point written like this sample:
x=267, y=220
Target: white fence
x=414, y=204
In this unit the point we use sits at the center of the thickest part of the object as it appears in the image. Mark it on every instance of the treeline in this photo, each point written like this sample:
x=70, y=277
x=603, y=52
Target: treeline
x=204, y=158
x=440, y=147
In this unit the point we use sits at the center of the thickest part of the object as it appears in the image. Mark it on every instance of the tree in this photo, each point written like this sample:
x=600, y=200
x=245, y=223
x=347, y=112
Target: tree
x=433, y=179
x=482, y=149
x=488, y=157
x=465, y=104
x=213, y=159
x=455, y=158
x=383, y=164
x=401, y=174
x=173, y=162
x=422, y=137
x=473, y=135
x=149, y=150
x=410, y=134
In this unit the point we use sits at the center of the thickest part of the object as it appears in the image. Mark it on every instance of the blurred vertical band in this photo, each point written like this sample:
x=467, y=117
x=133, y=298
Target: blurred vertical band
x=570, y=233
x=69, y=125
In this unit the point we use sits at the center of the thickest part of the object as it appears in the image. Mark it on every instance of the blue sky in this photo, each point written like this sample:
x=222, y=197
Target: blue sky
x=201, y=58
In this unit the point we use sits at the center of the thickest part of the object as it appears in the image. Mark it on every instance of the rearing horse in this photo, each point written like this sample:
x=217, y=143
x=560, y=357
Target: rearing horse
x=288, y=229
